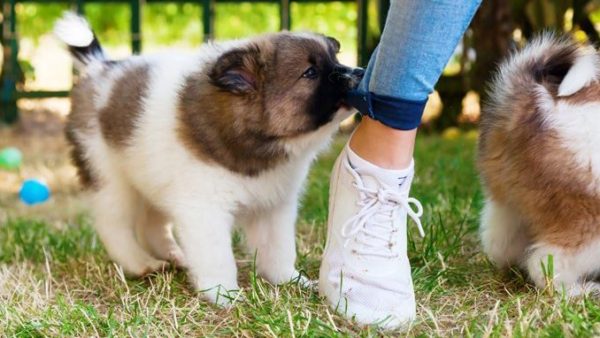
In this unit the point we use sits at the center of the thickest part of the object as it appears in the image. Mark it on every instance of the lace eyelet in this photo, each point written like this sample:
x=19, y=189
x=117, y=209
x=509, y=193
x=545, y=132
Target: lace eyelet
x=369, y=224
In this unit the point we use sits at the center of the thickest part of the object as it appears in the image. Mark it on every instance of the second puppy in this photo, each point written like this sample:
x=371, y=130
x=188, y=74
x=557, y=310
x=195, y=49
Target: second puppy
x=539, y=156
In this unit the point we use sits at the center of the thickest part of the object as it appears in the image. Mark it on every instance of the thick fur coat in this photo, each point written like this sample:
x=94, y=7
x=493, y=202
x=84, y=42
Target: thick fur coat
x=539, y=157
x=177, y=149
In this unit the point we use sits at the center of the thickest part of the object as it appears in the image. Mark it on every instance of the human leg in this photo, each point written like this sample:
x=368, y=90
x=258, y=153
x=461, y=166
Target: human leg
x=369, y=192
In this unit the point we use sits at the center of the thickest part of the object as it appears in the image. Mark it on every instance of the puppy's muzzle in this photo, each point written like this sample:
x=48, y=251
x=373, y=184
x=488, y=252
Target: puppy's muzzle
x=347, y=78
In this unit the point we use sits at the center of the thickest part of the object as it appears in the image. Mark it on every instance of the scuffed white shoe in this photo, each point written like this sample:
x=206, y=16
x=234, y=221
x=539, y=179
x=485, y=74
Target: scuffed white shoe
x=365, y=273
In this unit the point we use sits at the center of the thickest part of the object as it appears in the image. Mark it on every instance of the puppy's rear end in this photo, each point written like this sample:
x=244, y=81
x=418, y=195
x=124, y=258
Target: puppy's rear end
x=102, y=84
x=539, y=158
x=106, y=102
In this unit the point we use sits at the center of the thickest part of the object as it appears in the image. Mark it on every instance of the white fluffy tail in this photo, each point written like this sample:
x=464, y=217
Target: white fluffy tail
x=76, y=32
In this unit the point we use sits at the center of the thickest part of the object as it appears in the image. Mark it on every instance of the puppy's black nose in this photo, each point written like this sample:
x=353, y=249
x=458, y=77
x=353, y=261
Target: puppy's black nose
x=348, y=78
x=341, y=70
x=358, y=72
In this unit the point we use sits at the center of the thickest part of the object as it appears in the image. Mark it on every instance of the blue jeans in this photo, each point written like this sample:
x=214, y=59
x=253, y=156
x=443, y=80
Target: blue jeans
x=417, y=42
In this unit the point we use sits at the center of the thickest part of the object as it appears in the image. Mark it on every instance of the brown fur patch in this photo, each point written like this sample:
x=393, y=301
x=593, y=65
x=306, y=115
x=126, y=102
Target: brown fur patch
x=118, y=117
x=237, y=111
x=217, y=128
x=526, y=167
x=82, y=121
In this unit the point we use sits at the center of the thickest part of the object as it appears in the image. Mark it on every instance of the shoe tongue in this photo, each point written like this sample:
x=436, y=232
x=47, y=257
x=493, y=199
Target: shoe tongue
x=399, y=180
x=375, y=177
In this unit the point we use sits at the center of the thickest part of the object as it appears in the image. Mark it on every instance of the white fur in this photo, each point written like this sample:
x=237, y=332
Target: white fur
x=579, y=126
x=581, y=74
x=573, y=270
x=103, y=90
x=74, y=30
x=156, y=179
x=503, y=235
x=506, y=243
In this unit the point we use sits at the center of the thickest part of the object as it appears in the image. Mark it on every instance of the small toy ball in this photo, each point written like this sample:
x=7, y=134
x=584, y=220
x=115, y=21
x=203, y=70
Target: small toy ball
x=34, y=191
x=451, y=133
x=10, y=158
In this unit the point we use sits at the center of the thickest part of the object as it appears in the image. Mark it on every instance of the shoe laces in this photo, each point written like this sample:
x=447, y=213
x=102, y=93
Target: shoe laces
x=376, y=218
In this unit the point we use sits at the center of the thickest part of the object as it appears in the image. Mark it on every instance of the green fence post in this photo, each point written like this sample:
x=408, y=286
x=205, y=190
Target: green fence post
x=2, y=21
x=284, y=15
x=362, y=9
x=10, y=70
x=208, y=14
x=384, y=7
x=79, y=7
x=136, y=31
x=11, y=76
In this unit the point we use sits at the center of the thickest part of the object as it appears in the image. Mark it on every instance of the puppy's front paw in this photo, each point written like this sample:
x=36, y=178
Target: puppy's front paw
x=176, y=256
x=143, y=267
x=224, y=297
x=291, y=277
x=304, y=281
x=580, y=289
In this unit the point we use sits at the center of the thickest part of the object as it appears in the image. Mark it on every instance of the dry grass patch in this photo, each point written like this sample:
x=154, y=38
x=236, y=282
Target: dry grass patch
x=56, y=280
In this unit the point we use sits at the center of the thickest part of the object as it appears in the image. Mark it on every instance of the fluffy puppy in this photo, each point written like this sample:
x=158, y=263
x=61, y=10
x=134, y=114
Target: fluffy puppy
x=539, y=157
x=221, y=137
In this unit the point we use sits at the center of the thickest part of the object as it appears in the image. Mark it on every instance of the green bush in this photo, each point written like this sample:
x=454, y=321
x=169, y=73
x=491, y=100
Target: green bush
x=166, y=24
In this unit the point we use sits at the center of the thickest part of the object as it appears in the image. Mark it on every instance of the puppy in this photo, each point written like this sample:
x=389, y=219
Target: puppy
x=205, y=141
x=539, y=157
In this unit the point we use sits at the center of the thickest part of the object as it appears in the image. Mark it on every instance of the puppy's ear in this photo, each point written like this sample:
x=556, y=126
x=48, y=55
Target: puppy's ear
x=334, y=43
x=237, y=71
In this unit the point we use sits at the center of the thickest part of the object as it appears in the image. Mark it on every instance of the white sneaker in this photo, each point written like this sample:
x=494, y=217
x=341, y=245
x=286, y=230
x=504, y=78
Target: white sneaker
x=365, y=272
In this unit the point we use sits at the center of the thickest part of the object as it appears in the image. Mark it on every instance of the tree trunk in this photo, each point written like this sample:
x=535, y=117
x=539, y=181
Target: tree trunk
x=492, y=39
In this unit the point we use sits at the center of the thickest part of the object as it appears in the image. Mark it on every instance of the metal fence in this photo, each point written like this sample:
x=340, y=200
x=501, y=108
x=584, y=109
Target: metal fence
x=10, y=90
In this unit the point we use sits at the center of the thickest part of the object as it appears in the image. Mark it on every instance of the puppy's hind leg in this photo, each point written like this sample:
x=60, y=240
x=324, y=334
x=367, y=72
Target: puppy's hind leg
x=115, y=206
x=569, y=270
x=503, y=235
x=155, y=233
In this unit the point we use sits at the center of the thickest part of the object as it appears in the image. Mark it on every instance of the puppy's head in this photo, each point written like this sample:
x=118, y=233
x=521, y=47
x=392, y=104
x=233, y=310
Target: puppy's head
x=264, y=100
x=285, y=84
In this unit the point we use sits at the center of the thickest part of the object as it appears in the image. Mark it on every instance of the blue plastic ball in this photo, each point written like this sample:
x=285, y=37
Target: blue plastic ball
x=34, y=191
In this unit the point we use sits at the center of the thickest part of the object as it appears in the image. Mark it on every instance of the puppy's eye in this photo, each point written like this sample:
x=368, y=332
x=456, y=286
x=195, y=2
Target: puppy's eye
x=311, y=73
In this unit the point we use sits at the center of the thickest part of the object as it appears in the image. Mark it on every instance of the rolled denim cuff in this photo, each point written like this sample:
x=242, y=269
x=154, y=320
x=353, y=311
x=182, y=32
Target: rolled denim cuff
x=393, y=112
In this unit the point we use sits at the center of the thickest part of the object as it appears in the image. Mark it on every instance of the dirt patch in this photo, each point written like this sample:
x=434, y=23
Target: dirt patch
x=39, y=135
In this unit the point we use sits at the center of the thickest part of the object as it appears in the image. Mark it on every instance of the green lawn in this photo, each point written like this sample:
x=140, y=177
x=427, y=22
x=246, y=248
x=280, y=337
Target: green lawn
x=56, y=280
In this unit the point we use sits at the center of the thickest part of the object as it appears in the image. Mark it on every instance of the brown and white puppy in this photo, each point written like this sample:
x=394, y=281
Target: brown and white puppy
x=539, y=157
x=205, y=141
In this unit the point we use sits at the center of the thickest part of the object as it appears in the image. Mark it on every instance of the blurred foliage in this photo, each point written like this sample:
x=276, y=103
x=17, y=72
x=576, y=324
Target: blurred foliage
x=543, y=13
x=170, y=23
x=336, y=19
x=498, y=26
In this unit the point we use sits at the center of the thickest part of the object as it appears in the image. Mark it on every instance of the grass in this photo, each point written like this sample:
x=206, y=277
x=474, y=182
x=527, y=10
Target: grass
x=56, y=280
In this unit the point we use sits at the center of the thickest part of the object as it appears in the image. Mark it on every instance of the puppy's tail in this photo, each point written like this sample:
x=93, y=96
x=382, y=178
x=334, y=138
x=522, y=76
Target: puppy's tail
x=75, y=31
x=548, y=68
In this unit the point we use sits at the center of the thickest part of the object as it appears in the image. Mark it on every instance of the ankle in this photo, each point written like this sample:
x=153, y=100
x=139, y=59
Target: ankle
x=383, y=146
